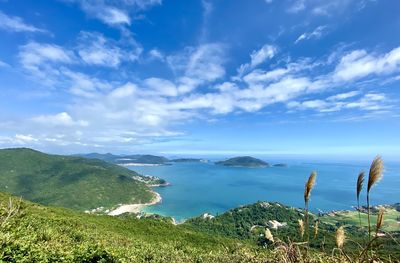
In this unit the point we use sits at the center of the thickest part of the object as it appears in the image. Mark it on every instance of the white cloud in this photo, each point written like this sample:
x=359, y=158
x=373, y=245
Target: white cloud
x=34, y=54
x=16, y=24
x=24, y=138
x=297, y=6
x=161, y=87
x=258, y=57
x=316, y=34
x=342, y=96
x=367, y=102
x=115, y=13
x=359, y=64
x=60, y=119
x=197, y=66
x=156, y=54
x=95, y=49
x=3, y=64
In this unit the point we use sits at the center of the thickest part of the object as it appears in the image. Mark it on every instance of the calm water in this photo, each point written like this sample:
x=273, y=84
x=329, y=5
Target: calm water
x=204, y=187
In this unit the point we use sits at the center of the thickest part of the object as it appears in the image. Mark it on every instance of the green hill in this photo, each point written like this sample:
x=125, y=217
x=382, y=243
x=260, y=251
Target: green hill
x=34, y=233
x=67, y=181
x=243, y=161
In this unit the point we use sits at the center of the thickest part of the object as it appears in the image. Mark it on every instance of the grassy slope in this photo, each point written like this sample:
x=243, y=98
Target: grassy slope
x=66, y=181
x=238, y=222
x=47, y=234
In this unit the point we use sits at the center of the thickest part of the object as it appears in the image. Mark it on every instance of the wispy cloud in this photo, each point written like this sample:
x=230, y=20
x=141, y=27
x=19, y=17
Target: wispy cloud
x=316, y=34
x=95, y=49
x=114, y=13
x=16, y=24
x=258, y=57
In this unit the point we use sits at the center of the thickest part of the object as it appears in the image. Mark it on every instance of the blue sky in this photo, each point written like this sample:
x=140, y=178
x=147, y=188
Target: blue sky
x=287, y=77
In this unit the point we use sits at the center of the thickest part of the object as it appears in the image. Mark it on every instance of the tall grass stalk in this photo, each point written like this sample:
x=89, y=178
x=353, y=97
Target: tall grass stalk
x=375, y=174
x=360, y=183
x=307, y=193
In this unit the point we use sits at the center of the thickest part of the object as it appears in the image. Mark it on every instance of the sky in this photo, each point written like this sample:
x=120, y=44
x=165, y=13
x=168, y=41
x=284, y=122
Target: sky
x=201, y=77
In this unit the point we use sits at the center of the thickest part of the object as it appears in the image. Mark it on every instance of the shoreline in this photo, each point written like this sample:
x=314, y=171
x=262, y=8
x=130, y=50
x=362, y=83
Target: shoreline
x=135, y=208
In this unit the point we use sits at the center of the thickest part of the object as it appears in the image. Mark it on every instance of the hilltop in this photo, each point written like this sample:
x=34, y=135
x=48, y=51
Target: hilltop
x=69, y=181
x=244, y=161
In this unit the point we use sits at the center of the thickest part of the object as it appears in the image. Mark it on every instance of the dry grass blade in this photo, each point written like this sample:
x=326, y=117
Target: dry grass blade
x=375, y=172
x=379, y=220
x=360, y=183
x=309, y=186
x=340, y=237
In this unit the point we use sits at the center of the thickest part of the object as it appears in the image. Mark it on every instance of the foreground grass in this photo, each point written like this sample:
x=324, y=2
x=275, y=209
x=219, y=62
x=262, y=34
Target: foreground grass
x=34, y=233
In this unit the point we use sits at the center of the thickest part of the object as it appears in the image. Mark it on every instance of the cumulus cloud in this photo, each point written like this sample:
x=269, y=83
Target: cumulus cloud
x=359, y=63
x=60, y=119
x=16, y=24
x=126, y=111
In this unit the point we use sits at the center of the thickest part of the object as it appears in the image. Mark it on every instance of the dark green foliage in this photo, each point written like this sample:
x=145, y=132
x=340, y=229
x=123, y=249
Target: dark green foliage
x=245, y=161
x=67, y=181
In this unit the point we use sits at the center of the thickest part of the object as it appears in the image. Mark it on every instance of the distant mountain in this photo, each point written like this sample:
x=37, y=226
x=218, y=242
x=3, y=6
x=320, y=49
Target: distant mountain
x=126, y=159
x=69, y=181
x=244, y=161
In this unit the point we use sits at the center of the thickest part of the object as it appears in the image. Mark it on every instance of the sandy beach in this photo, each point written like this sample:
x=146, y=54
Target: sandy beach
x=135, y=208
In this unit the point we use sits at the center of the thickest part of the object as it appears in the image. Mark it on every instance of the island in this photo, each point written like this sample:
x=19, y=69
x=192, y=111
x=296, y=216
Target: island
x=280, y=165
x=244, y=161
x=189, y=160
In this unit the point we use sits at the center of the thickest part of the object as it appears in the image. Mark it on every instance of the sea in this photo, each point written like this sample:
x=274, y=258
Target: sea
x=197, y=188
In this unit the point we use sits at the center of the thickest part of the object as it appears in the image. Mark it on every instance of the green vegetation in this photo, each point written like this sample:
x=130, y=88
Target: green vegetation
x=244, y=161
x=249, y=223
x=67, y=181
x=125, y=159
x=34, y=233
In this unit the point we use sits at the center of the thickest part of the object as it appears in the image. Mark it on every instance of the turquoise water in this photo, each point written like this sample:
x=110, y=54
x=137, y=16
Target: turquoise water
x=197, y=188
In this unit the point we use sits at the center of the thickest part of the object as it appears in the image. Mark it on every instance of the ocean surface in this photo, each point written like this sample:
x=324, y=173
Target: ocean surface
x=197, y=188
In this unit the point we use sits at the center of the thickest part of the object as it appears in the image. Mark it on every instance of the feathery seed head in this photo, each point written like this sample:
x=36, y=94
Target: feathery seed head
x=340, y=237
x=379, y=220
x=316, y=228
x=309, y=186
x=301, y=225
x=375, y=172
x=360, y=183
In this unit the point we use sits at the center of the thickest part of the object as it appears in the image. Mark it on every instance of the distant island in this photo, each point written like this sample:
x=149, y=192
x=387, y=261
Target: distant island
x=280, y=165
x=128, y=160
x=189, y=160
x=244, y=161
